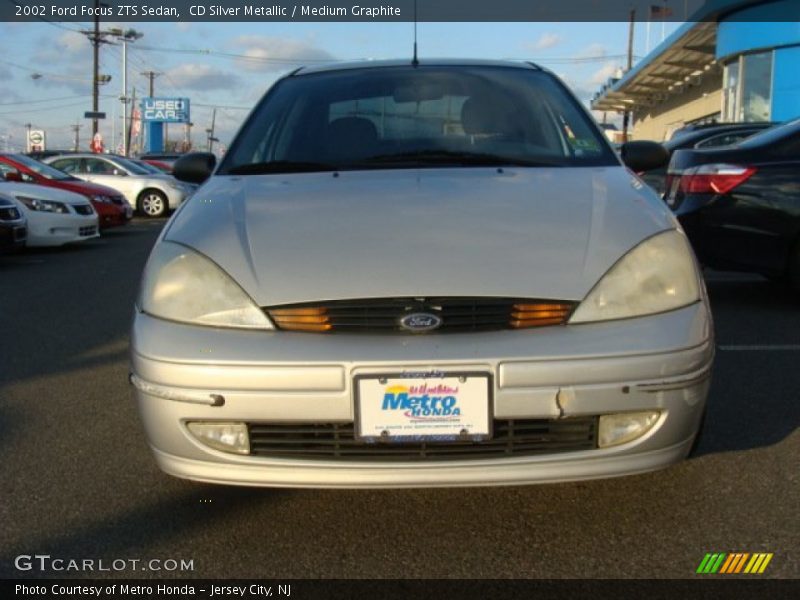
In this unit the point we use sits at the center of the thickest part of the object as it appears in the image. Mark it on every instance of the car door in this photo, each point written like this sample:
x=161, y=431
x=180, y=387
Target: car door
x=104, y=172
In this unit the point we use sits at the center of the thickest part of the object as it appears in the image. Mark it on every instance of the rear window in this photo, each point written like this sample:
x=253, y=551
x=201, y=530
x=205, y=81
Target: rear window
x=410, y=117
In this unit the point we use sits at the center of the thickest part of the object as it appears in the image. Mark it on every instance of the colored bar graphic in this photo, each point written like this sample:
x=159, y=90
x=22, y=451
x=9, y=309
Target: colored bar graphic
x=727, y=564
x=734, y=563
x=764, y=564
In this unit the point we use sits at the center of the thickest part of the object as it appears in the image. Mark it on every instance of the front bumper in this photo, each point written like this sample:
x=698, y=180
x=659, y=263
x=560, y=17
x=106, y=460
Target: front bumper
x=49, y=229
x=661, y=362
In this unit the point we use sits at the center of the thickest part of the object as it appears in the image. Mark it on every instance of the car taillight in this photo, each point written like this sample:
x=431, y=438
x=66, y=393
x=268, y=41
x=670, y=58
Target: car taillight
x=714, y=178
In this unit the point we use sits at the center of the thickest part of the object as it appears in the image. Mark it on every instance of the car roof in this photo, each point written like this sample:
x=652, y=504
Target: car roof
x=690, y=137
x=427, y=62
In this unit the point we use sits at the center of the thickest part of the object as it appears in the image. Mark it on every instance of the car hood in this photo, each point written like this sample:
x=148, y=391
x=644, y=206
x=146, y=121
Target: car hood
x=84, y=187
x=42, y=192
x=547, y=233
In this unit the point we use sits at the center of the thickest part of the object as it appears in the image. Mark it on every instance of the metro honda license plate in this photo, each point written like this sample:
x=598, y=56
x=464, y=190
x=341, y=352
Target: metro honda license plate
x=423, y=407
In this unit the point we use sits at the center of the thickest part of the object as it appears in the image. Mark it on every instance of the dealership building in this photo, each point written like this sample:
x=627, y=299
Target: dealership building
x=734, y=61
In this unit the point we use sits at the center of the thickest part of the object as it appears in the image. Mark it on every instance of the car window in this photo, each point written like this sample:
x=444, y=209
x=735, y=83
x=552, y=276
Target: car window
x=405, y=117
x=5, y=168
x=97, y=166
x=67, y=165
x=46, y=171
x=725, y=139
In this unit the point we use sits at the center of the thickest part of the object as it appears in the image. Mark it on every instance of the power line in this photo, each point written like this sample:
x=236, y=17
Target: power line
x=265, y=59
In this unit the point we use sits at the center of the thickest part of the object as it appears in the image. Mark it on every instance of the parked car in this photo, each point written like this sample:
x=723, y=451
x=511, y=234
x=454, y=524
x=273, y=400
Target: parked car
x=111, y=207
x=165, y=158
x=55, y=217
x=417, y=276
x=160, y=165
x=706, y=136
x=740, y=205
x=13, y=225
x=151, y=194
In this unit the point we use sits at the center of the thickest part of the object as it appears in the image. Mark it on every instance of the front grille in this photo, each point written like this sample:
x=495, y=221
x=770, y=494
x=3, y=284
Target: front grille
x=453, y=314
x=9, y=214
x=331, y=441
x=83, y=209
x=87, y=231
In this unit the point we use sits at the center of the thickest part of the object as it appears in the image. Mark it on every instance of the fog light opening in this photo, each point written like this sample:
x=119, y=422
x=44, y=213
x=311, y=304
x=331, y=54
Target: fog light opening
x=227, y=437
x=621, y=428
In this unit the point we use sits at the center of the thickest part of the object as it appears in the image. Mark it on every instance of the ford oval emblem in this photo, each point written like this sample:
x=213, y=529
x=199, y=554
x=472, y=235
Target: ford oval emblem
x=419, y=322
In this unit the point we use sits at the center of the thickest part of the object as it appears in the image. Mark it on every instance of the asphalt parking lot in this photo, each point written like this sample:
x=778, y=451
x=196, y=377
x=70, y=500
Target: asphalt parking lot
x=78, y=480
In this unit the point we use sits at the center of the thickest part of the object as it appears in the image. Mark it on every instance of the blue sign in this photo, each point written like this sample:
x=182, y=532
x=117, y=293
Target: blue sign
x=165, y=110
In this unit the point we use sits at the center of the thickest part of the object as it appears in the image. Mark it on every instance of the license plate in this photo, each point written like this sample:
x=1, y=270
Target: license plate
x=423, y=407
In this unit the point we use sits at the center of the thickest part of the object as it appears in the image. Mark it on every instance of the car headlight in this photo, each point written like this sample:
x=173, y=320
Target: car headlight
x=658, y=275
x=43, y=205
x=180, y=284
x=103, y=199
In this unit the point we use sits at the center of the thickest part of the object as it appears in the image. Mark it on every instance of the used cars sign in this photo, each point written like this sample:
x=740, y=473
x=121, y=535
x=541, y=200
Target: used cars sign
x=166, y=110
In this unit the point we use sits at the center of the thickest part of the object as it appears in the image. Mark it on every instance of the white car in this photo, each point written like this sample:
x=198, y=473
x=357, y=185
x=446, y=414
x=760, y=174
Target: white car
x=55, y=217
x=152, y=194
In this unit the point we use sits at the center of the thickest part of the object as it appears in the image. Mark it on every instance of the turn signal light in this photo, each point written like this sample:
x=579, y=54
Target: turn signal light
x=313, y=319
x=540, y=314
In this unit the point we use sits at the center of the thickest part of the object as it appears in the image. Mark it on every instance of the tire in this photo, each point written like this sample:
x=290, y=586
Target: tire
x=152, y=203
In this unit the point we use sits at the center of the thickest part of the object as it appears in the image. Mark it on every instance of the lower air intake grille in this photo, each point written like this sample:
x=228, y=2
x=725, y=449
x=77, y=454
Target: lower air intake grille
x=329, y=441
x=420, y=315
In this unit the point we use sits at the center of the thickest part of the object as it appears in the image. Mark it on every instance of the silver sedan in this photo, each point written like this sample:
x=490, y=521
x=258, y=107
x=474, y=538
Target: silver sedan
x=152, y=194
x=420, y=275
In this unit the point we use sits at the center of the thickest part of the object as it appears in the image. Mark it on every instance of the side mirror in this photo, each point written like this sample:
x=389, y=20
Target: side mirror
x=14, y=176
x=195, y=167
x=644, y=155
x=119, y=173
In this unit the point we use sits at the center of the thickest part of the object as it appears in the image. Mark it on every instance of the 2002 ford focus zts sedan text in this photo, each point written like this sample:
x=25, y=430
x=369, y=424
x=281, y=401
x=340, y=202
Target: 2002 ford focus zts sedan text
x=423, y=274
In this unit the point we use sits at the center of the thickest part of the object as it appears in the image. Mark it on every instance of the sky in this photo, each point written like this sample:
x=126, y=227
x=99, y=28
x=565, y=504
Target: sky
x=46, y=68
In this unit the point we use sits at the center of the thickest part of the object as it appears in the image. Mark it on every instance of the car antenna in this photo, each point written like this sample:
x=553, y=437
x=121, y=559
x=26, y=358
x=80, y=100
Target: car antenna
x=414, y=61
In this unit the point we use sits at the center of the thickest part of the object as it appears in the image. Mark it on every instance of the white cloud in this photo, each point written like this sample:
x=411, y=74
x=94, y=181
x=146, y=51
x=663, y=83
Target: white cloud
x=593, y=50
x=546, y=40
x=200, y=77
x=600, y=76
x=265, y=53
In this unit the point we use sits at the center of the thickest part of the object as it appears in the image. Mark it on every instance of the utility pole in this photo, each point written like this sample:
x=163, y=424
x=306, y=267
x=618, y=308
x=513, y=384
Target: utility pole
x=626, y=114
x=27, y=137
x=151, y=75
x=129, y=128
x=211, y=138
x=76, y=129
x=96, y=76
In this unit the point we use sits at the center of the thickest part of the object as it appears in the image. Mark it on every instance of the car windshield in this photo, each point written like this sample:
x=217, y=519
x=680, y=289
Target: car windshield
x=148, y=167
x=772, y=135
x=407, y=117
x=132, y=166
x=42, y=169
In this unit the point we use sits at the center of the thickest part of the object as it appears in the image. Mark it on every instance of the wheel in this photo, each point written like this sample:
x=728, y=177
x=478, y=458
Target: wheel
x=153, y=203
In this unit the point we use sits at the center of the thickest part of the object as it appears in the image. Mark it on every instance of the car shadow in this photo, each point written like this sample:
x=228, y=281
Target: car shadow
x=753, y=398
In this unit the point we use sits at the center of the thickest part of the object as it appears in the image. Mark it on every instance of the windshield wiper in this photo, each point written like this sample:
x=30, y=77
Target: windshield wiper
x=449, y=157
x=280, y=166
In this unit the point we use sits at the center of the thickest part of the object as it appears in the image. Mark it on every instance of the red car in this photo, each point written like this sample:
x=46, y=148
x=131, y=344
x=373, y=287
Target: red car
x=111, y=207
